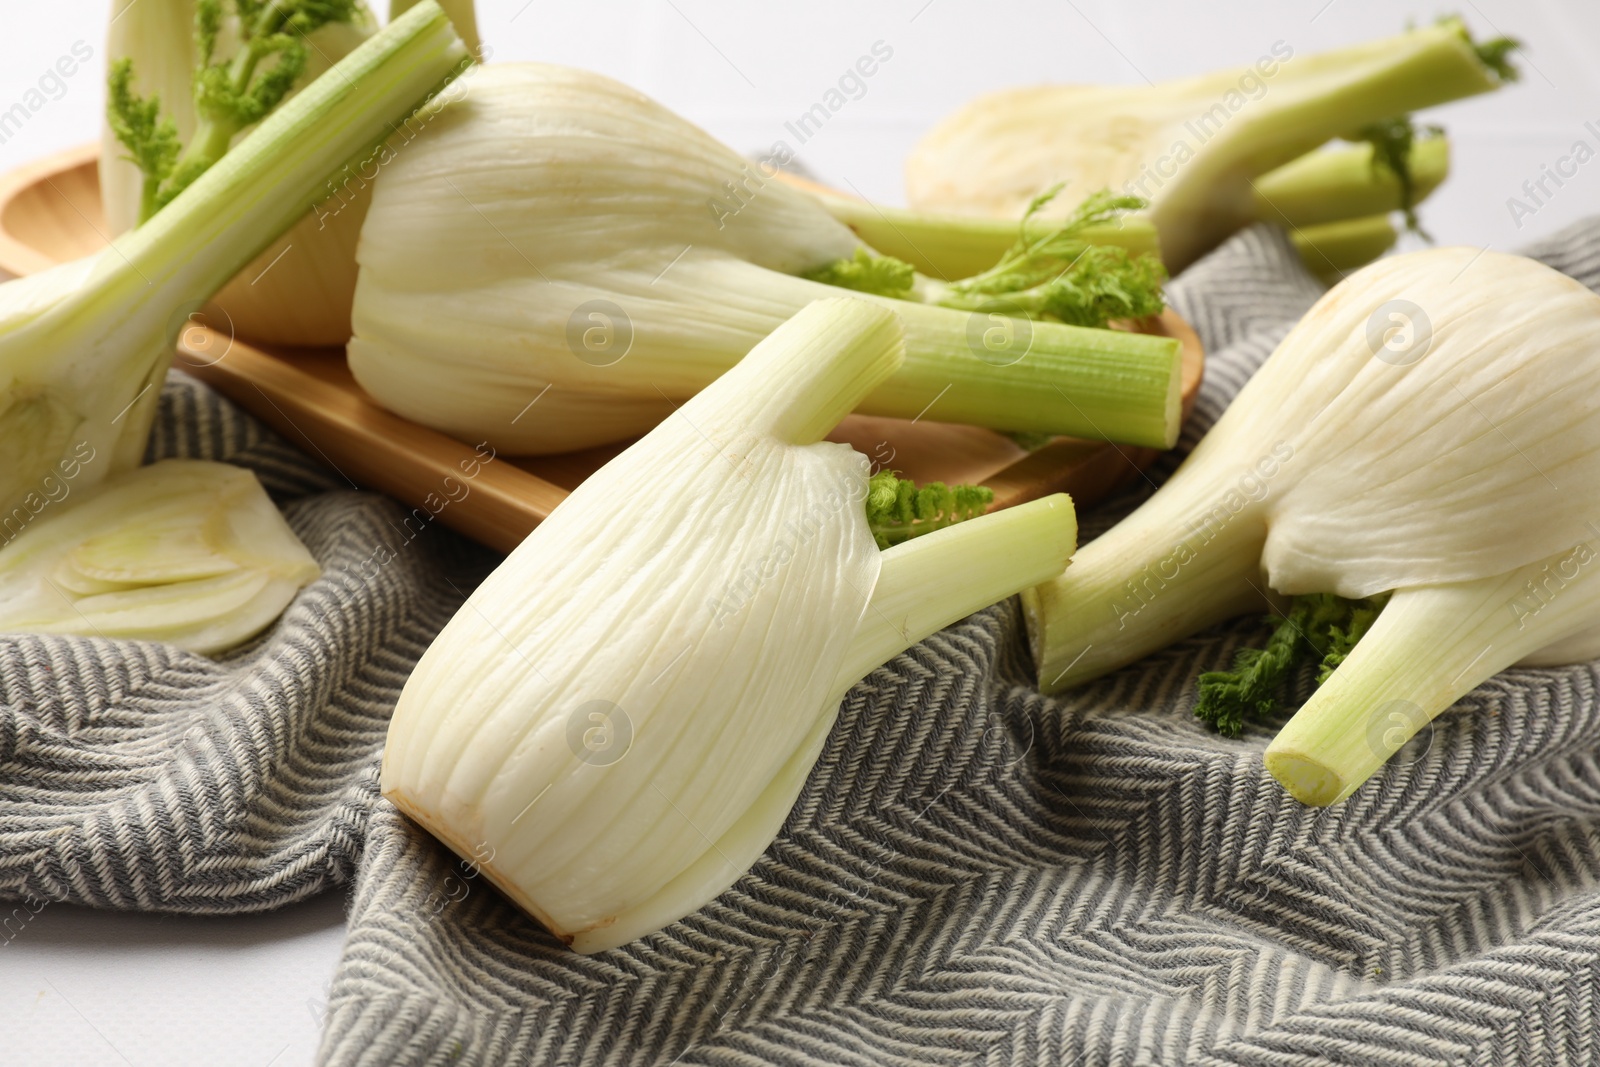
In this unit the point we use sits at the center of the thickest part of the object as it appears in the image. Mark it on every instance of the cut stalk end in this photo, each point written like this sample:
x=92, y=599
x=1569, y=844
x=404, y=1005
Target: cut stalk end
x=811, y=372
x=1308, y=780
x=931, y=581
x=1167, y=571
x=1429, y=647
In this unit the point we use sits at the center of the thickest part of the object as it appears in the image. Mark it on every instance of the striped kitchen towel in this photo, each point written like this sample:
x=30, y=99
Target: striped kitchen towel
x=974, y=873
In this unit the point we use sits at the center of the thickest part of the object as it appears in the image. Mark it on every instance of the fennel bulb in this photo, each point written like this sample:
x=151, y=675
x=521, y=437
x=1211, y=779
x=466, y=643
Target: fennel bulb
x=1429, y=431
x=556, y=230
x=1192, y=147
x=183, y=551
x=1347, y=189
x=84, y=346
x=624, y=712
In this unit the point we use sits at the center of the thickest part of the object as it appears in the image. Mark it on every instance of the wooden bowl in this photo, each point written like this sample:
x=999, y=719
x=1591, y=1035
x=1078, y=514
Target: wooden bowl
x=50, y=213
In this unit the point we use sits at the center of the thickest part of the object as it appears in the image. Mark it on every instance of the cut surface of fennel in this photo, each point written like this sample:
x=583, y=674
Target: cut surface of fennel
x=84, y=346
x=1429, y=430
x=622, y=715
x=1191, y=146
x=556, y=229
x=188, y=552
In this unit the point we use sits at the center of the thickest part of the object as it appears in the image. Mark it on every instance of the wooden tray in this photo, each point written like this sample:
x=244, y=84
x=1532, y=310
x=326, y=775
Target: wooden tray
x=50, y=212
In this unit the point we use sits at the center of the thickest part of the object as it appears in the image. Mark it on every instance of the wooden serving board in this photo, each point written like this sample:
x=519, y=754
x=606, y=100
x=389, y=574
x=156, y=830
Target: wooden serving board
x=50, y=213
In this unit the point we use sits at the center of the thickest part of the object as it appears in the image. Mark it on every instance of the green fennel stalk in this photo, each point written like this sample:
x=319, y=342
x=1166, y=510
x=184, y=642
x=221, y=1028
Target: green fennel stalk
x=952, y=247
x=1052, y=272
x=1352, y=181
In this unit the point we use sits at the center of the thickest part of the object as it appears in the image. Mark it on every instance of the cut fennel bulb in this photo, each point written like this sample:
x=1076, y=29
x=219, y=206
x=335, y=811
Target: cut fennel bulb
x=84, y=347
x=623, y=713
x=298, y=290
x=1430, y=431
x=557, y=231
x=1192, y=147
x=183, y=551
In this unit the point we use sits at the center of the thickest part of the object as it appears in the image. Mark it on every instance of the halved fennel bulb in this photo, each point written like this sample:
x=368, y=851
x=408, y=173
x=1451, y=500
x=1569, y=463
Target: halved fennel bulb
x=188, y=552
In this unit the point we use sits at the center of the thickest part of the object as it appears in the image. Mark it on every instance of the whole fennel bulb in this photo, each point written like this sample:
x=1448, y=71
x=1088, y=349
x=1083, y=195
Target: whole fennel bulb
x=84, y=346
x=556, y=230
x=183, y=551
x=1192, y=146
x=1431, y=431
x=621, y=716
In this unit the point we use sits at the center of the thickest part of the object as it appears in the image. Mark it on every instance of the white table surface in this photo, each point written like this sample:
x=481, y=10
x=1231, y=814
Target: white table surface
x=85, y=988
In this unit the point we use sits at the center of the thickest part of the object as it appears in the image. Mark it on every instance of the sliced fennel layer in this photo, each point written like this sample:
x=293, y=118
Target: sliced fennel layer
x=557, y=230
x=624, y=712
x=84, y=347
x=183, y=551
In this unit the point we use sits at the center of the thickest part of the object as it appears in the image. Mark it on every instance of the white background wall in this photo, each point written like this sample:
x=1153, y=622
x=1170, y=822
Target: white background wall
x=84, y=988
x=742, y=69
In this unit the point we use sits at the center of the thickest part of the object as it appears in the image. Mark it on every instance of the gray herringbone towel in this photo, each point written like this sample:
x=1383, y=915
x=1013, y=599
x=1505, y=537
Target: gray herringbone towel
x=973, y=874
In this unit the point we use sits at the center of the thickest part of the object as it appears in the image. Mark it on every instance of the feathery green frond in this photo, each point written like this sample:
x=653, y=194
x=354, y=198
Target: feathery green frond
x=1495, y=54
x=1054, y=274
x=898, y=510
x=150, y=138
x=866, y=273
x=1320, y=628
x=1391, y=142
x=207, y=26
x=232, y=93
